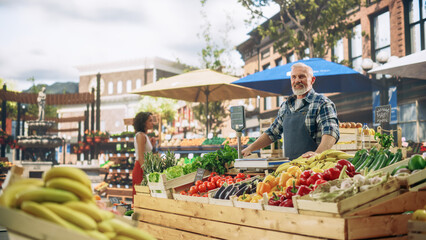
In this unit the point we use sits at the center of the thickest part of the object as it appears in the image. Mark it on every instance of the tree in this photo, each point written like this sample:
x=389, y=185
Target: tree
x=167, y=108
x=217, y=115
x=315, y=25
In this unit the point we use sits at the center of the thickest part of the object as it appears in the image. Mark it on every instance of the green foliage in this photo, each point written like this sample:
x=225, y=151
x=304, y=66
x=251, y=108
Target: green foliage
x=304, y=24
x=166, y=107
x=217, y=113
x=218, y=160
x=385, y=140
x=155, y=163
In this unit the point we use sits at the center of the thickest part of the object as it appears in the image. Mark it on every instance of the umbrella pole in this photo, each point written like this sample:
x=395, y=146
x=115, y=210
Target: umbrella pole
x=207, y=111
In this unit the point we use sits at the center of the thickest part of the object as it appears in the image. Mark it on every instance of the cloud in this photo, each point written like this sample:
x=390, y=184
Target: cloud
x=48, y=38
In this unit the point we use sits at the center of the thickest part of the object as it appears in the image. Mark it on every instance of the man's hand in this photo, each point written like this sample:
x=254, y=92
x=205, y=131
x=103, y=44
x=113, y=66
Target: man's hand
x=246, y=152
x=309, y=154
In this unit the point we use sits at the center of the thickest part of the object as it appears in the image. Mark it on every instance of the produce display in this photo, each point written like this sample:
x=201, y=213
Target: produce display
x=227, y=186
x=213, y=141
x=415, y=164
x=324, y=160
x=240, y=188
x=192, y=142
x=375, y=159
x=64, y=197
x=420, y=214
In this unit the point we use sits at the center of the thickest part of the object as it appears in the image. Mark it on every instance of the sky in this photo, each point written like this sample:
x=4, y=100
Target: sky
x=47, y=39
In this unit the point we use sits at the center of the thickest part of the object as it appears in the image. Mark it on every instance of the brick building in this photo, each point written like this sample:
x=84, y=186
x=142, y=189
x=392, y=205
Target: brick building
x=396, y=27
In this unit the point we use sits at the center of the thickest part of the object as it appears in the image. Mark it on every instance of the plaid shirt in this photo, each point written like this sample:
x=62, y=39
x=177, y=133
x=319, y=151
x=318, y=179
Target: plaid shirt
x=321, y=117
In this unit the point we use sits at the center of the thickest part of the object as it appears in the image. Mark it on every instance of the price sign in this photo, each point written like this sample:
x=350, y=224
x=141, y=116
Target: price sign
x=118, y=185
x=127, y=170
x=110, y=170
x=238, y=120
x=126, y=186
x=190, y=155
x=210, y=135
x=118, y=170
x=127, y=138
x=114, y=200
x=168, y=137
x=200, y=174
x=119, y=139
x=382, y=114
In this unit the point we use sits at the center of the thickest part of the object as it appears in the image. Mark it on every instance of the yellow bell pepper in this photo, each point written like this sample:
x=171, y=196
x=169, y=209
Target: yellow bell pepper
x=244, y=198
x=256, y=198
x=289, y=182
x=283, y=179
x=294, y=171
x=263, y=187
x=271, y=180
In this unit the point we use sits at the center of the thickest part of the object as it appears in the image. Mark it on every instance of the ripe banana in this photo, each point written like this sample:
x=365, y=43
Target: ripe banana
x=68, y=172
x=110, y=235
x=8, y=198
x=97, y=235
x=77, y=218
x=43, y=212
x=41, y=194
x=105, y=226
x=330, y=159
x=70, y=185
x=86, y=208
x=124, y=229
x=344, y=155
x=27, y=181
x=121, y=237
x=106, y=215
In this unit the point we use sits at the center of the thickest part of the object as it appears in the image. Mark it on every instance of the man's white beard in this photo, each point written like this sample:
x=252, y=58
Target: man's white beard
x=299, y=92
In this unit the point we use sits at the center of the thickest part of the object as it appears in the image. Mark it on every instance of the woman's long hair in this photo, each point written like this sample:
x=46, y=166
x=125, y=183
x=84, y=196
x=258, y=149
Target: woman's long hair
x=139, y=123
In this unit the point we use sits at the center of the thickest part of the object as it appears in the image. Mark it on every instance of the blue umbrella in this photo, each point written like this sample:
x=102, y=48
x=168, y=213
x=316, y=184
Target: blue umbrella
x=330, y=77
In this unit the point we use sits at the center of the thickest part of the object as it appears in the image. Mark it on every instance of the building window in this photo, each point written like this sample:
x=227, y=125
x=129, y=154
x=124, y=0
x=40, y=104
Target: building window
x=279, y=62
x=265, y=54
x=280, y=100
x=381, y=34
x=412, y=120
x=338, y=51
x=267, y=104
x=291, y=58
x=129, y=86
x=355, y=52
x=119, y=87
x=266, y=66
x=416, y=26
x=138, y=83
x=110, y=87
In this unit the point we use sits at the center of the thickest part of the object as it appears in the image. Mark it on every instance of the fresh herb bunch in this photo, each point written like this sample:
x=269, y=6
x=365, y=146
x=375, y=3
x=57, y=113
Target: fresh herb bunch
x=385, y=140
x=218, y=160
x=156, y=163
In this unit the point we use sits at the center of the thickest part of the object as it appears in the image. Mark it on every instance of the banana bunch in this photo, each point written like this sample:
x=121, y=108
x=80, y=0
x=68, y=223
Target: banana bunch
x=64, y=197
x=326, y=159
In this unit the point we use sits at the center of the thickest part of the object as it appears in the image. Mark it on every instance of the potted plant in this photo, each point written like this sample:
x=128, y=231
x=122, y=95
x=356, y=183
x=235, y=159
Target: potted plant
x=89, y=136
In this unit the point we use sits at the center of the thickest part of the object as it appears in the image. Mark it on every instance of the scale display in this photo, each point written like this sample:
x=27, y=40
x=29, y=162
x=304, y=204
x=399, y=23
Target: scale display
x=238, y=119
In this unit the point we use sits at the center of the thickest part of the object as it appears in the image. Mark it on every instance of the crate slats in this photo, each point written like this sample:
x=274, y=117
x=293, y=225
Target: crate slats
x=377, y=226
x=162, y=232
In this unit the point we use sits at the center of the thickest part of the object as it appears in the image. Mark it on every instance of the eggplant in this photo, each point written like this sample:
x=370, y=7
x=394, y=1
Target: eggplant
x=232, y=192
x=242, y=185
x=226, y=191
x=241, y=190
x=217, y=194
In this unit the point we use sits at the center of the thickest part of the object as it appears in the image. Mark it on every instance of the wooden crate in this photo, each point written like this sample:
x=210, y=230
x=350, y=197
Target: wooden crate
x=351, y=140
x=278, y=208
x=164, y=188
x=142, y=190
x=416, y=230
x=26, y=226
x=413, y=182
x=348, y=204
x=173, y=219
x=249, y=205
x=180, y=197
x=222, y=202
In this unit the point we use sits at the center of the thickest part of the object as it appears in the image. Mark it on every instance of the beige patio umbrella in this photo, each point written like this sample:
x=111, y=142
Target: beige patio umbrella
x=200, y=86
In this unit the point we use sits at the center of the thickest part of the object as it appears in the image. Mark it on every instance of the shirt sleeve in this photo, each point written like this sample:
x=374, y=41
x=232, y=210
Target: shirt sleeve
x=276, y=129
x=327, y=120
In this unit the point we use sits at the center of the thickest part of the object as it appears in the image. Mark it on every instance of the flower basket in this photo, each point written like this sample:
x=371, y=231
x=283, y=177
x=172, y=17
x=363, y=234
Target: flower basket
x=98, y=139
x=89, y=139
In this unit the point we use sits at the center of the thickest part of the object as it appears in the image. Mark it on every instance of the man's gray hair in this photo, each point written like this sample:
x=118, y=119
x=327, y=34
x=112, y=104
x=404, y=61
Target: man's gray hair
x=302, y=65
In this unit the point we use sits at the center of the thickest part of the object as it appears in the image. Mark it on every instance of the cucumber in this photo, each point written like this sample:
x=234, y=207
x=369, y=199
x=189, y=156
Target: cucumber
x=397, y=168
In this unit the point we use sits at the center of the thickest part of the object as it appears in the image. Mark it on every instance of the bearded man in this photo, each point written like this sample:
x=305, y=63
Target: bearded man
x=307, y=119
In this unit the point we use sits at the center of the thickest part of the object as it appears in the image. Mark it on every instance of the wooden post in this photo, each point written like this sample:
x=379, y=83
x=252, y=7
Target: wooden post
x=399, y=134
x=18, y=128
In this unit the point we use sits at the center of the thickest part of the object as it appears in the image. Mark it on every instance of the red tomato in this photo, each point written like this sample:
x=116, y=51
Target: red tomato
x=248, y=176
x=239, y=180
x=205, y=195
x=193, y=190
x=202, y=188
x=230, y=181
x=183, y=193
x=240, y=175
x=197, y=183
x=214, y=179
x=211, y=186
x=195, y=195
x=219, y=183
x=228, y=177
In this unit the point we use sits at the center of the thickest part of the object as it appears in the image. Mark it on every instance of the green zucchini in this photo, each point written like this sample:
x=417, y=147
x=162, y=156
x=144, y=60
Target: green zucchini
x=397, y=168
x=365, y=163
x=361, y=160
x=381, y=158
x=397, y=157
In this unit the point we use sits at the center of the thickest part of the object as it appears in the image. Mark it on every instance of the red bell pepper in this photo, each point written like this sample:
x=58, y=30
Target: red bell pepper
x=291, y=191
x=304, y=177
x=312, y=179
x=319, y=182
x=274, y=200
x=349, y=166
x=287, y=203
x=331, y=174
x=303, y=190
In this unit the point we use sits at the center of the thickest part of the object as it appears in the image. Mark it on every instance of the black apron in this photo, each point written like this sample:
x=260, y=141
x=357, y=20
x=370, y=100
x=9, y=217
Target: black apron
x=297, y=139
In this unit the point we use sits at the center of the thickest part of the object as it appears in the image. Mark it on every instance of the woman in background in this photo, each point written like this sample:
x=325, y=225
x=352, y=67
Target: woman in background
x=142, y=123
